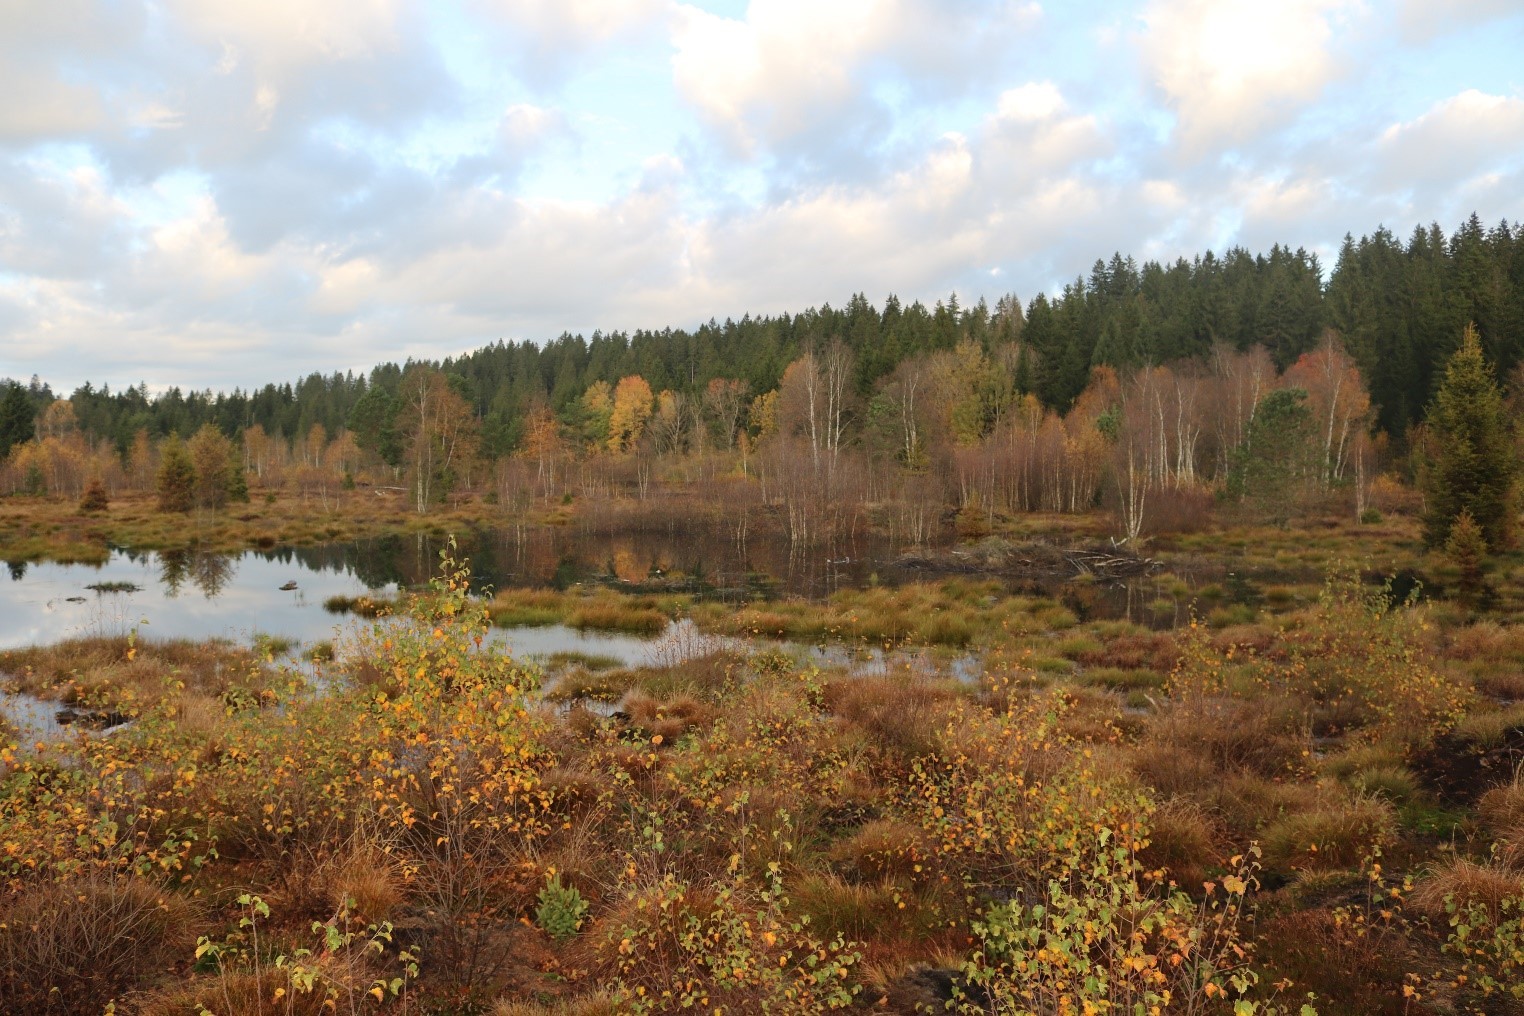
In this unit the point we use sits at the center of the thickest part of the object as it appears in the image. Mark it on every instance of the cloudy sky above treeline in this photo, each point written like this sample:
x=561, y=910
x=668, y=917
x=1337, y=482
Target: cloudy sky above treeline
x=220, y=193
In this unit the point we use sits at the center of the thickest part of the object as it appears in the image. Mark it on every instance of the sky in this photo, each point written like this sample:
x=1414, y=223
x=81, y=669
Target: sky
x=221, y=193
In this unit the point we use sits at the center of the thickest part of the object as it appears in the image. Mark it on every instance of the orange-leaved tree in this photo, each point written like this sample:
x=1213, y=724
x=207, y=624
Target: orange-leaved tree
x=629, y=413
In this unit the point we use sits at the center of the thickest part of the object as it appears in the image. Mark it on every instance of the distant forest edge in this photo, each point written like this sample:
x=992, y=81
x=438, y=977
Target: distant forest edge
x=1399, y=309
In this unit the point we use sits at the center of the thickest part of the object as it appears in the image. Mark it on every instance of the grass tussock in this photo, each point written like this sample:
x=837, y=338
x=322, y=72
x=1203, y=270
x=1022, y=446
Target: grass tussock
x=1502, y=807
x=598, y=685
x=594, y=609
x=599, y=1003
x=1460, y=883
x=130, y=675
x=1490, y=728
x=955, y=613
x=71, y=946
x=1184, y=842
x=1337, y=835
x=666, y=720
x=902, y=714
x=588, y=661
x=365, y=605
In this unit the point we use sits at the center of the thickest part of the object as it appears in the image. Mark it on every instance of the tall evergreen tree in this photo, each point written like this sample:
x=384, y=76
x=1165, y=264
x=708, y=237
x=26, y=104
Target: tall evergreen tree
x=1272, y=468
x=1473, y=467
x=17, y=419
x=177, y=478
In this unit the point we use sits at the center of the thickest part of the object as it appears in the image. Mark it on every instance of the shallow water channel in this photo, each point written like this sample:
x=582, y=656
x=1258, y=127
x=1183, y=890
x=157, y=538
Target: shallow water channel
x=281, y=593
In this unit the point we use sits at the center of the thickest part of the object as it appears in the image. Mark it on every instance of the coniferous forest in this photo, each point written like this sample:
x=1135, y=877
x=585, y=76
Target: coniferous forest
x=1398, y=307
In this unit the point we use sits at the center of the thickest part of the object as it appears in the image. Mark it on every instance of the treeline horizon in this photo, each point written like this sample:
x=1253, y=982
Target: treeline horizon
x=1399, y=309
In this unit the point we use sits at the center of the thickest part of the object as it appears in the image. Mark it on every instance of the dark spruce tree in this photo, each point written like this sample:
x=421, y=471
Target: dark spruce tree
x=177, y=478
x=17, y=419
x=238, y=480
x=94, y=499
x=1472, y=467
x=1271, y=468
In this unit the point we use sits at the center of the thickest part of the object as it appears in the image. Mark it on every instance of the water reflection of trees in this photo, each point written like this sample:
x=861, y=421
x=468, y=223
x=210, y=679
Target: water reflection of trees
x=705, y=555
x=173, y=566
x=562, y=557
x=212, y=572
x=208, y=571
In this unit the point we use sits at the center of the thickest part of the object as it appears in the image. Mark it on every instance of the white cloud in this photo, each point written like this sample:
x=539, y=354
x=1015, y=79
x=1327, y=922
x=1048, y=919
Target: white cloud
x=548, y=40
x=525, y=126
x=1036, y=100
x=280, y=34
x=765, y=78
x=1229, y=69
x=579, y=22
x=1461, y=136
x=800, y=74
x=1033, y=133
x=41, y=49
x=1421, y=20
x=59, y=223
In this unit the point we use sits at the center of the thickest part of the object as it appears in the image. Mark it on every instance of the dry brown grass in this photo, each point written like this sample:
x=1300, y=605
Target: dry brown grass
x=68, y=947
x=1267, y=736
x=1486, y=640
x=1184, y=841
x=1490, y=728
x=243, y=993
x=1247, y=803
x=902, y=713
x=859, y=912
x=1354, y=970
x=368, y=881
x=1331, y=836
x=1464, y=882
x=599, y=1003
x=1256, y=637
x=687, y=665
x=1173, y=769
x=668, y=719
x=574, y=789
x=368, y=676
x=128, y=674
x=1503, y=682
x=1502, y=807
x=1156, y=651
x=883, y=849
x=919, y=983
x=1094, y=715
x=600, y=685
x=50, y=528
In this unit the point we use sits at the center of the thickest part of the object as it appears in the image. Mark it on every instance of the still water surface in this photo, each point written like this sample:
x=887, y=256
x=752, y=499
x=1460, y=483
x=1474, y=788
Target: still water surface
x=171, y=596
x=281, y=592
x=191, y=594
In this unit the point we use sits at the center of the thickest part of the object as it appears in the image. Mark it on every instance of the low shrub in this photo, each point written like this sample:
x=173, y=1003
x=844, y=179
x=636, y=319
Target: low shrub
x=561, y=909
x=673, y=944
x=1102, y=941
